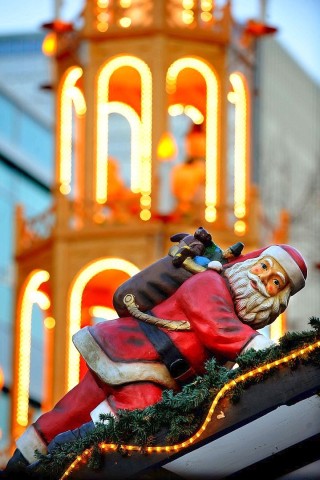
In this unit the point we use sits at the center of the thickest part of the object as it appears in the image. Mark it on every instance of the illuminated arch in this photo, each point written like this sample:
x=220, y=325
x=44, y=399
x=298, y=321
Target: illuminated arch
x=29, y=296
x=102, y=93
x=189, y=110
x=240, y=97
x=134, y=121
x=74, y=307
x=68, y=96
x=106, y=313
x=212, y=124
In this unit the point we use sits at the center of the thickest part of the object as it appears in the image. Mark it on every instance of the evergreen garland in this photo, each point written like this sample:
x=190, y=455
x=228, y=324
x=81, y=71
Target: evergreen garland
x=178, y=415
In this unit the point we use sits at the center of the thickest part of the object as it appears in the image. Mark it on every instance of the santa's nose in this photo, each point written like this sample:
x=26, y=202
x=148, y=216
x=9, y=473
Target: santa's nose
x=264, y=277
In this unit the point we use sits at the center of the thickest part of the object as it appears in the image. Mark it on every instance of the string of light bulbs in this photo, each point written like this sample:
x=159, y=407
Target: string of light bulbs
x=109, y=447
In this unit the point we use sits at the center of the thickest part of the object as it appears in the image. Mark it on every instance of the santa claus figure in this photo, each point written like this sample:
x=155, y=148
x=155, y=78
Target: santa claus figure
x=130, y=362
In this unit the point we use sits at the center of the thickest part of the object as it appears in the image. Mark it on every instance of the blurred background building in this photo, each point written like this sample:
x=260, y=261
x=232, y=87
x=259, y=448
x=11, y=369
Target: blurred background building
x=46, y=226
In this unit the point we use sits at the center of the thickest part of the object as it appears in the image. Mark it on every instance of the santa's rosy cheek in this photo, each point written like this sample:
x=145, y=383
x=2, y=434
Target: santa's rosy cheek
x=272, y=289
x=255, y=270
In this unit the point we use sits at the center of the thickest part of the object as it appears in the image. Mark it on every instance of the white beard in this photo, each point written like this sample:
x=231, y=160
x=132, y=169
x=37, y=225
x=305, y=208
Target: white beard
x=255, y=307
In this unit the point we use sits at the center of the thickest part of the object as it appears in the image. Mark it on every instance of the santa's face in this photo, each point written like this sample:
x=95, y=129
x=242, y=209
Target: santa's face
x=271, y=274
x=260, y=290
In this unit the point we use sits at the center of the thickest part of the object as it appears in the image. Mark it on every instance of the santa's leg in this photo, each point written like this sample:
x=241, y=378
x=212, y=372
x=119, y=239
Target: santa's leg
x=136, y=395
x=71, y=412
x=76, y=413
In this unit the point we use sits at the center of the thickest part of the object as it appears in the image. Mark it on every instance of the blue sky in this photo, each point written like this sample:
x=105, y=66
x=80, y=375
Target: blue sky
x=298, y=22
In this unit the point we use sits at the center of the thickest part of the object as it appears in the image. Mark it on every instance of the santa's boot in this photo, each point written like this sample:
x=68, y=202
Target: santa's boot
x=17, y=465
x=34, y=469
x=70, y=436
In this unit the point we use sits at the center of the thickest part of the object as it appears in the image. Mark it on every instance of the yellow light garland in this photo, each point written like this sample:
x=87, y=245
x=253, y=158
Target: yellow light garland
x=28, y=297
x=212, y=124
x=190, y=110
x=133, y=119
x=68, y=96
x=102, y=99
x=241, y=99
x=74, y=307
x=179, y=446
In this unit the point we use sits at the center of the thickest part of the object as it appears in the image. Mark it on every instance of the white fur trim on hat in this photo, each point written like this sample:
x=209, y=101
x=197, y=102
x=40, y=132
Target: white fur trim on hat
x=293, y=271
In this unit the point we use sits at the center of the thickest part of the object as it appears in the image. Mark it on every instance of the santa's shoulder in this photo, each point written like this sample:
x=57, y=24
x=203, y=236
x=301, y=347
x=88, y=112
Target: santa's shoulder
x=206, y=279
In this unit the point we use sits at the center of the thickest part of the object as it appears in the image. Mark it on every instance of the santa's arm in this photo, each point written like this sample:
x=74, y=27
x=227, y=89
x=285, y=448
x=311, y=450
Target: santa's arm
x=208, y=305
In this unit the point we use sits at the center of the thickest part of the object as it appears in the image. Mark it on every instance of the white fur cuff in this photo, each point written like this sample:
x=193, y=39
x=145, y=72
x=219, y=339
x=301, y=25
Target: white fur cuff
x=29, y=442
x=103, y=407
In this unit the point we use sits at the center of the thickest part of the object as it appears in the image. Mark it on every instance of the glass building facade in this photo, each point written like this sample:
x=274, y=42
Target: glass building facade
x=26, y=166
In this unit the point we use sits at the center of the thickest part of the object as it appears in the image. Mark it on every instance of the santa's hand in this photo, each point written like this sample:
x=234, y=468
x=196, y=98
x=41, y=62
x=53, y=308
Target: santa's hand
x=258, y=342
x=70, y=436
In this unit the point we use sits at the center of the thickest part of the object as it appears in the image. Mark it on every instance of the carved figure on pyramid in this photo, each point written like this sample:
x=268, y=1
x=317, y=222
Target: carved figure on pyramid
x=188, y=178
x=122, y=202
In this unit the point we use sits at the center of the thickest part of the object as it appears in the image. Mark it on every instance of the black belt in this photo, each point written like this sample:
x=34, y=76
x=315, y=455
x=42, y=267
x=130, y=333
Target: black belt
x=170, y=355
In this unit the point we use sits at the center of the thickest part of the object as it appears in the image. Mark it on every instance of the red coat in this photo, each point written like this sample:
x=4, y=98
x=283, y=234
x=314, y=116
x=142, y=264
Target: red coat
x=204, y=300
x=126, y=370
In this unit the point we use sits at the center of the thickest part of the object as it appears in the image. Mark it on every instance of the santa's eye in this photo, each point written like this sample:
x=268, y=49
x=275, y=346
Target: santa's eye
x=263, y=266
x=276, y=282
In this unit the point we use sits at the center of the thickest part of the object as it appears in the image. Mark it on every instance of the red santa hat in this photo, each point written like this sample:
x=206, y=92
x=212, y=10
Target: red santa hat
x=290, y=260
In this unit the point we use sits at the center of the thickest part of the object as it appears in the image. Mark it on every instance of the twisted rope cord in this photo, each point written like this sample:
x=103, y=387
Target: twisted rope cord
x=129, y=301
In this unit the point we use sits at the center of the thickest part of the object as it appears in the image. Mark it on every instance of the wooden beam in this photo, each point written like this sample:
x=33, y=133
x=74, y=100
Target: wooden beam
x=303, y=454
x=254, y=447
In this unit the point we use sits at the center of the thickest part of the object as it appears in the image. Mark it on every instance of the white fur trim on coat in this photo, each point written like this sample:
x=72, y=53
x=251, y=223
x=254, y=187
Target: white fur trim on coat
x=118, y=373
x=29, y=442
x=103, y=407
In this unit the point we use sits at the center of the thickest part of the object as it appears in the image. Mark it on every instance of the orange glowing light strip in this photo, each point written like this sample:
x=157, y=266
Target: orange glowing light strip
x=134, y=121
x=206, y=5
x=207, y=8
x=179, y=446
x=41, y=299
x=74, y=308
x=240, y=97
x=29, y=296
x=68, y=95
x=212, y=126
x=103, y=79
x=187, y=14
